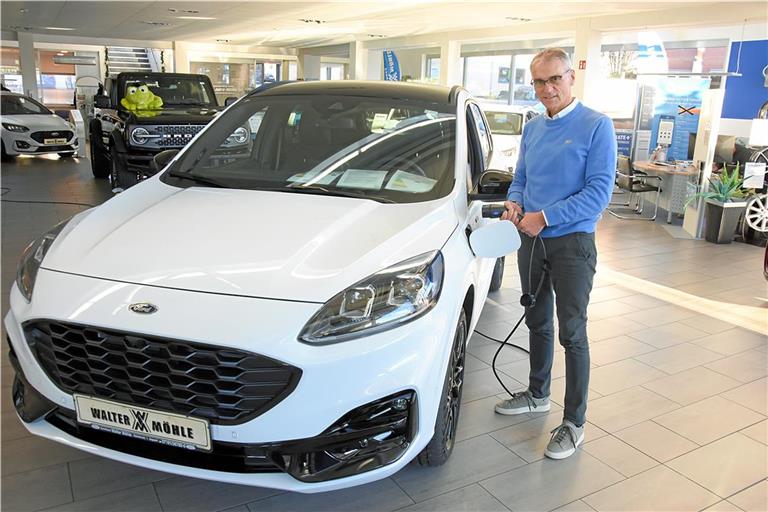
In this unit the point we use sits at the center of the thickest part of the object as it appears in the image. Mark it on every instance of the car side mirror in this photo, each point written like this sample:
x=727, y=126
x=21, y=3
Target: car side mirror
x=495, y=240
x=102, y=101
x=230, y=100
x=162, y=159
x=493, y=186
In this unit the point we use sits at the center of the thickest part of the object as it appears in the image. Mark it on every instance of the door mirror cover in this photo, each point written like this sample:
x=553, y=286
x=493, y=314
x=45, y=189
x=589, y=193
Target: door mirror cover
x=495, y=240
x=160, y=160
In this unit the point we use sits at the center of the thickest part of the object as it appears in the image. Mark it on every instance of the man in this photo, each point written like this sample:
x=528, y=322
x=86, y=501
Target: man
x=563, y=181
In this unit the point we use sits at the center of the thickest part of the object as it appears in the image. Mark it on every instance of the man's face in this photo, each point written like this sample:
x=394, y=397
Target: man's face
x=554, y=93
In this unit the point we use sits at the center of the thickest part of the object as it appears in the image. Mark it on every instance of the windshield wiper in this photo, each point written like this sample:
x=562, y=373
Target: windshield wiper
x=314, y=189
x=213, y=182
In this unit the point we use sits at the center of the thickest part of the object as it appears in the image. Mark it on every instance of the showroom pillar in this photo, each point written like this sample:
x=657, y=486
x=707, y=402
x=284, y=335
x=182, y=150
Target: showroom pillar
x=450, y=55
x=586, y=60
x=27, y=63
x=180, y=57
x=358, y=61
x=309, y=66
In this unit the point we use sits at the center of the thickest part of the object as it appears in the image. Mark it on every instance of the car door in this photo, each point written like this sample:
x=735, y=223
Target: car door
x=480, y=149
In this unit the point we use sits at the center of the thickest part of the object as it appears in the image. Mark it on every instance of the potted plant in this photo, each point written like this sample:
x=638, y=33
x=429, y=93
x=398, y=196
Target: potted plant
x=724, y=205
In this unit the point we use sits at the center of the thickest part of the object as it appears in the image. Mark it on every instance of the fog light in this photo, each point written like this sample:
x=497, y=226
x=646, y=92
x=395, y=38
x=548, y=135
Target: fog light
x=20, y=144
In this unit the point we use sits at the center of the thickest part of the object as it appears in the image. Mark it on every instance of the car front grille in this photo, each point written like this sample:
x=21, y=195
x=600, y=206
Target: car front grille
x=225, y=386
x=57, y=134
x=176, y=136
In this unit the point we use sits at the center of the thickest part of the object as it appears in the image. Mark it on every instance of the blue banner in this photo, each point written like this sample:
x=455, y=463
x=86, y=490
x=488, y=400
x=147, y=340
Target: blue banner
x=624, y=142
x=391, y=66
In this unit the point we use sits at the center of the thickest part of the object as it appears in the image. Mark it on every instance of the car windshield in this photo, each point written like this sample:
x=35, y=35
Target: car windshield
x=16, y=105
x=388, y=150
x=505, y=123
x=175, y=90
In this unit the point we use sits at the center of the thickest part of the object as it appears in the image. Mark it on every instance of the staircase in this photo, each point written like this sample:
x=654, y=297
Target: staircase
x=120, y=59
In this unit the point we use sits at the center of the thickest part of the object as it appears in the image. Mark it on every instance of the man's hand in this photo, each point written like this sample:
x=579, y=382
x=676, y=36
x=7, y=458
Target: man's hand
x=532, y=223
x=514, y=212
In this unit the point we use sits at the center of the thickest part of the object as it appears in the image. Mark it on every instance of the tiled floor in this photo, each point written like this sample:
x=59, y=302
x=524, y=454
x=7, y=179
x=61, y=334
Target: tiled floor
x=677, y=413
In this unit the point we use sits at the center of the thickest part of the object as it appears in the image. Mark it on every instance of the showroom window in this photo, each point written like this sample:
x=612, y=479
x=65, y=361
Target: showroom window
x=228, y=79
x=432, y=70
x=10, y=71
x=55, y=82
x=331, y=71
x=503, y=78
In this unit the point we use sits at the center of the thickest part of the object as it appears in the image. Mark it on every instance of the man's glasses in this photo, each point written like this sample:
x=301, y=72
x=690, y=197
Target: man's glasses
x=553, y=80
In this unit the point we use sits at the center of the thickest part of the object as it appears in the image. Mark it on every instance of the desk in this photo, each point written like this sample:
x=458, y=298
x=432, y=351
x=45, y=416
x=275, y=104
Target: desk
x=673, y=185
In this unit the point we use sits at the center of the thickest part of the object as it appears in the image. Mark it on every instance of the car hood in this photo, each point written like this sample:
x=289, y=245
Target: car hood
x=173, y=115
x=38, y=122
x=277, y=245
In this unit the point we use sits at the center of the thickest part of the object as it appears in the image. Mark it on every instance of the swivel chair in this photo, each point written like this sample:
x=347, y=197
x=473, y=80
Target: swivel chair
x=635, y=183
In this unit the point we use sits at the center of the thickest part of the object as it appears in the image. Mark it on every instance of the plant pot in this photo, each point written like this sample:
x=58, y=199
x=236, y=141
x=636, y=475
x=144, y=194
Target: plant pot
x=721, y=220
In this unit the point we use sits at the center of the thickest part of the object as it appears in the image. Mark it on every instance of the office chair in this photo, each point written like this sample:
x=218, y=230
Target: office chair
x=635, y=183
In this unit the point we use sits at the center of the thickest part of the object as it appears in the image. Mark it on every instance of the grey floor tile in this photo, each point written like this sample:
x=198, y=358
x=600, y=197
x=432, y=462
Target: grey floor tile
x=37, y=489
x=478, y=417
x=28, y=453
x=189, y=494
x=530, y=438
x=557, y=392
x=627, y=408
x=608, y=309
x=640, y=301
x=668, y=335
x=575, y=506
x=612, y=327
x=679, y=358
x=622, y=375
x=752, y=499
x=745, y=367
x=531, y=487
x=725, y=466
x=658, y=489
x=520, y=370
x=722, y=506
x=758, y=431
x=472, y=460
x=96, y=476
x=753, y=395
x=380, y=496
x=508, y=354
x=620, y=456
x=692, y=385
x=137, y=499
x=609, y=293
x=709, y=419
x=616, y=349
x=708, y=324
x=732, y=341
x=666, y=314
x=472, y=364
x=656, y=441
x=467, y=499
x=483, y=383
x=239, y=508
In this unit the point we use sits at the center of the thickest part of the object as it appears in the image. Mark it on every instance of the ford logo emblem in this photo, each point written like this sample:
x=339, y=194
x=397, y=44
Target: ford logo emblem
x=145, y=308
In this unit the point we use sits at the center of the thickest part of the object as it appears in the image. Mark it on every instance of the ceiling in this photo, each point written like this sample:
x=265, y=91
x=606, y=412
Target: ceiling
x=292, y=24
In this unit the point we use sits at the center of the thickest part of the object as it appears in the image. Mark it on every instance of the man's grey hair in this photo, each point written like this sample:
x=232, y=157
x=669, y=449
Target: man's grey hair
x=551, y=54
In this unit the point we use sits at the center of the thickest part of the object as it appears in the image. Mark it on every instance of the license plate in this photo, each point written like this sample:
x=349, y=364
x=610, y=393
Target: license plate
x=147, y=424
x=54, y=141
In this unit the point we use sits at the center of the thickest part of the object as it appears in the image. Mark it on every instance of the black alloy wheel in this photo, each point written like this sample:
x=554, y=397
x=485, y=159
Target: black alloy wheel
x=440, y=447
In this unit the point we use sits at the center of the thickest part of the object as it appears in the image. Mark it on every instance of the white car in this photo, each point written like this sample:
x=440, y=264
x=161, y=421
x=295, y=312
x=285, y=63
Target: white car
x=506, y=123
x=29, y=128
x=294, y=315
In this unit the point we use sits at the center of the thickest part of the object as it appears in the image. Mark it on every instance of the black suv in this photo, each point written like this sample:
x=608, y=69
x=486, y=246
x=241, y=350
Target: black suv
x=124, y=142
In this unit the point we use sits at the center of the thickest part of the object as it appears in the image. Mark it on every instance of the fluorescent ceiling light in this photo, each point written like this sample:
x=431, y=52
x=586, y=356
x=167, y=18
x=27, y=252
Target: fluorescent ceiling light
x=58, y=28
x=194, y=18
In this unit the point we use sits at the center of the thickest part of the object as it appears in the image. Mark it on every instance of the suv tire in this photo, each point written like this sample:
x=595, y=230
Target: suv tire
x=99, y=161
x=119, y=176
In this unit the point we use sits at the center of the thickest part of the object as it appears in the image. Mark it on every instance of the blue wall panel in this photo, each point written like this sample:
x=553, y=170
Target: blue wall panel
x=745, y=94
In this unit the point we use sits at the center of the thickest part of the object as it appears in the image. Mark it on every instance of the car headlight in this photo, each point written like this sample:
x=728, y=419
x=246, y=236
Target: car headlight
x=15, y=127
x=139, y=135
x=387, y=299
x=32, y=258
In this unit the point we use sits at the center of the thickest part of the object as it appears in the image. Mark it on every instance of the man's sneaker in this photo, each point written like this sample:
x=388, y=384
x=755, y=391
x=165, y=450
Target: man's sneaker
x=565, y=439
x=521, y=402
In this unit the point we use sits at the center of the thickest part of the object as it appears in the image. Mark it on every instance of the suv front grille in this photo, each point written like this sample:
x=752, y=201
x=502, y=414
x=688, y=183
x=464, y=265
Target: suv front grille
x=225, y=386
x=176, y=136
x=56, y=134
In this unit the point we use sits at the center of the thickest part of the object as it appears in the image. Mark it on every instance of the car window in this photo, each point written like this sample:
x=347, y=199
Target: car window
x=175, y=90
x=382, y=148
x=18, y=105
x=482, y=131
x=504, y=123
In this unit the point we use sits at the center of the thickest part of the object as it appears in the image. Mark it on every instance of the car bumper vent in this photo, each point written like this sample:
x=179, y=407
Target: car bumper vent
x=225, y=386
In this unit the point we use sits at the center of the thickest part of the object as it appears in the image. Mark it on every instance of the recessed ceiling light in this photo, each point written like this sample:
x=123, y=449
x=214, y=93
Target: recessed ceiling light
x=516, y=18
x=318, y=22
x=184, y=11
x=376, y=35
x=194, y=18
x=58, y=28
x=156, y=23
x=222, y=40
x=23, y=11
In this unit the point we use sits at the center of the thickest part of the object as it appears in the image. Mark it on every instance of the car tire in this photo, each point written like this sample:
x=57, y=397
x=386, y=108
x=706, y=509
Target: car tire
x=67, y=154
x=5, y=156
x=440, y=447
x=119, y=176
x=99, y=161
x=498, y=275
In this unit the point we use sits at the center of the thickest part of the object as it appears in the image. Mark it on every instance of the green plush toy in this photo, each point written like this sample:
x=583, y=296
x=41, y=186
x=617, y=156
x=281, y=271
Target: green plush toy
x=139, y=97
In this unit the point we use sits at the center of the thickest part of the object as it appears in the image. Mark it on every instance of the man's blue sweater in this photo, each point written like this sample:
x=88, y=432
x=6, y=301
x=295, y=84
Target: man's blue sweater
x=566, y=169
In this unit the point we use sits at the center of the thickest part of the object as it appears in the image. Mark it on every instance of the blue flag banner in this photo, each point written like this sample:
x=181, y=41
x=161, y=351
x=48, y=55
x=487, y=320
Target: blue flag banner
x=391, y=66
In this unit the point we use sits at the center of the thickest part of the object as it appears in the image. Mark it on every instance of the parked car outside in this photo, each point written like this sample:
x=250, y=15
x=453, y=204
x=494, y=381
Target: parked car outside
x=506, y=123
x=31, y=128
x=294, y=316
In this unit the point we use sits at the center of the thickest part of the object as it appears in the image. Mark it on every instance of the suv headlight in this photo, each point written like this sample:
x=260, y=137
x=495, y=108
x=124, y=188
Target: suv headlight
x=32, y=258
x=387, y=299
x=15, y=127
